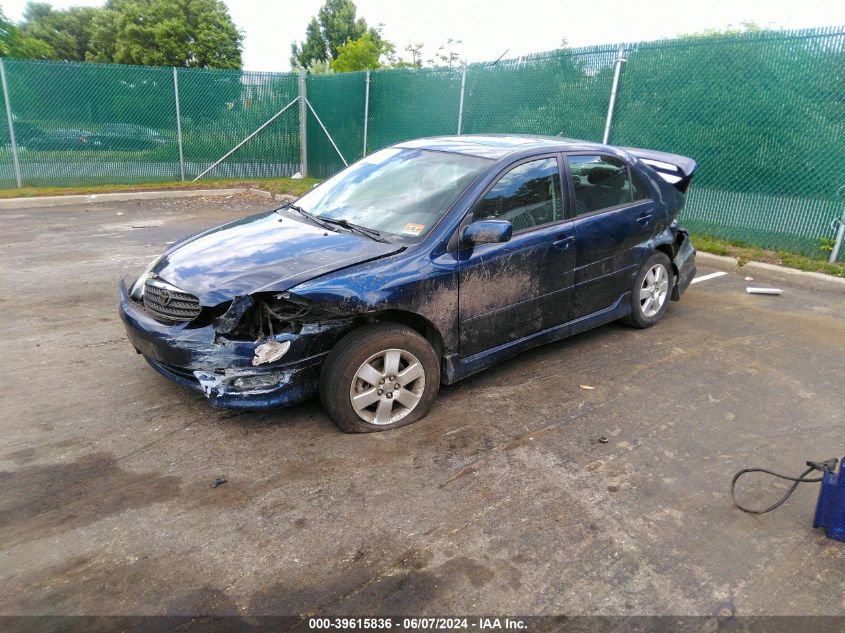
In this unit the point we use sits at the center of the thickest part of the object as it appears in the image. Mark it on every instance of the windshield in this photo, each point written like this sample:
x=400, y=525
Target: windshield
x=401, y=193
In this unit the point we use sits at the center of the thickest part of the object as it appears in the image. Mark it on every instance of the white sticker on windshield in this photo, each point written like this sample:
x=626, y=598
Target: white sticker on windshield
x=413, y=229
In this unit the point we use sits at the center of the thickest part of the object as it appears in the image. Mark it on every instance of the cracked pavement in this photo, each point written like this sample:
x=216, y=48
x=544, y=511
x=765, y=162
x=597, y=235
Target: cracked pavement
x=502, y=500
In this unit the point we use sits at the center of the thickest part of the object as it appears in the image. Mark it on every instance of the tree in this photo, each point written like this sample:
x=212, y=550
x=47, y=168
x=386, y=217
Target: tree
x=188, y=33
x=339, y=25
x=416, y=51
x=447, y=54
x=66, y=32
x=364, y=53
x=320, y=68
x=334, y=25
x=13, y=43
x=313, y=49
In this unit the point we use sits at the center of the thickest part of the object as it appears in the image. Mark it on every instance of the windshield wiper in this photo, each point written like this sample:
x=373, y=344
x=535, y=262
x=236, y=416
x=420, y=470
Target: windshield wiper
x=321, y=222
x=363, y=230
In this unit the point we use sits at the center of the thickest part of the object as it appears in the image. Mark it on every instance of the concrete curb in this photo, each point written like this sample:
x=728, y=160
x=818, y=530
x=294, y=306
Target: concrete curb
x=816, y=281
x=729, y=264
x=55, y=201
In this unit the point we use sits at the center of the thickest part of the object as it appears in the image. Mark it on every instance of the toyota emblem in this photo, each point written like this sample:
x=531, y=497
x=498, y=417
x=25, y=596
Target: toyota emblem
x=166, y=297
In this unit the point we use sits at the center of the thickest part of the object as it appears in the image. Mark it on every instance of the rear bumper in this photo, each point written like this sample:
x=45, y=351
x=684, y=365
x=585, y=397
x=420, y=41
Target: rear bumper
x=222, y=369
x=684, y=264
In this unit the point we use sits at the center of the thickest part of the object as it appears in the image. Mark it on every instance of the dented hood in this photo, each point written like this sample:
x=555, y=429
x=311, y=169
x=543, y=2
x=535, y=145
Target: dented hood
x=262, y=252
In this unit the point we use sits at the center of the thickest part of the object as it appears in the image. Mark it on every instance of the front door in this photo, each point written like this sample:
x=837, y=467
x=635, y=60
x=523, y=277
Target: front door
x=511, y=290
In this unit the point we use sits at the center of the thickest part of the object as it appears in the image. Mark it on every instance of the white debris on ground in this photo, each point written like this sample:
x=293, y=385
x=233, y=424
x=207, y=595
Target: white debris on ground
x=763, y=291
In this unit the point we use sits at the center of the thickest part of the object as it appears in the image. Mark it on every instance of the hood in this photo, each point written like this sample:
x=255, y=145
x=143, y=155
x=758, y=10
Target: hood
x=261, y=252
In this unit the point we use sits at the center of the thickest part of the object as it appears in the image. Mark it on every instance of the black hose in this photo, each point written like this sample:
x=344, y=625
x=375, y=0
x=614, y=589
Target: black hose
x=828, y=465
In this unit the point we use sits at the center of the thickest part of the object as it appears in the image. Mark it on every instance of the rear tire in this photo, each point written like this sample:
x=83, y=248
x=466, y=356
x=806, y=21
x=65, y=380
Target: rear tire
x=651, y=291
x=379, y=377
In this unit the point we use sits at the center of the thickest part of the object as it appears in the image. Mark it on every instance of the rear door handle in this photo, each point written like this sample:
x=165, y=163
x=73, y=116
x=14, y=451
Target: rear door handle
x=644, y=219
x=563, y=242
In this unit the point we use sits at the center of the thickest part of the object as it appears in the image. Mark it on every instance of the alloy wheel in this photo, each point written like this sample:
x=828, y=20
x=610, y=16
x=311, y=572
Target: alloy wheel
x=654, y=290
x=387, y=386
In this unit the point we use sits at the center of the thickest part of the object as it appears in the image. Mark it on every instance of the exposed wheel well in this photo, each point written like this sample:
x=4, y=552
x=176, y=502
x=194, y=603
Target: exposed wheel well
x=669, y=251
x=418, y=323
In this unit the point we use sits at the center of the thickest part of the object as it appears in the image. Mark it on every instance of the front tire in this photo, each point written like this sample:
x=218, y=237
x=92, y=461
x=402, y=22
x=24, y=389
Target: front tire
x=379, y=377
x=650, y=294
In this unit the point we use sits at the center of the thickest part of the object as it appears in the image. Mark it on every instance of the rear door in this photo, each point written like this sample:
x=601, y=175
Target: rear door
x=613, y=215
x=514, y=289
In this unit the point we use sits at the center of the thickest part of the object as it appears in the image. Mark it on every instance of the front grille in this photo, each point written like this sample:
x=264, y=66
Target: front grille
x=168, y=303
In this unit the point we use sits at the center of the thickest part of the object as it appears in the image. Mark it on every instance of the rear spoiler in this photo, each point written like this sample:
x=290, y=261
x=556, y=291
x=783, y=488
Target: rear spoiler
x=674, y=169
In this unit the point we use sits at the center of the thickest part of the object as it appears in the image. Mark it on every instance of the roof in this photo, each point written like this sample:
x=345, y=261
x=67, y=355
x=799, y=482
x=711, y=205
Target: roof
x=495, y=145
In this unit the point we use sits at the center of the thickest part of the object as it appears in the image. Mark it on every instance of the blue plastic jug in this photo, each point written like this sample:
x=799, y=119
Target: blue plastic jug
x=830, y=510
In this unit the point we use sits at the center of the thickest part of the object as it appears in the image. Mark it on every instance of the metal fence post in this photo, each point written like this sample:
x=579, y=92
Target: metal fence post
x=837, y=244
x=461, y=104
x=14, y=145
x=303, y=134
x=620, y=59
x=366, y=109
x=840, y=232
x=178, y=125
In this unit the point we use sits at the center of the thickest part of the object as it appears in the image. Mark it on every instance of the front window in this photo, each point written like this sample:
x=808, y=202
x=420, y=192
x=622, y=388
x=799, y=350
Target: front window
x=527, y=196
x=402, y=193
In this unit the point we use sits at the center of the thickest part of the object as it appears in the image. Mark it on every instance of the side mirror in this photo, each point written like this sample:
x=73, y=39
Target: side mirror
x=487, y=232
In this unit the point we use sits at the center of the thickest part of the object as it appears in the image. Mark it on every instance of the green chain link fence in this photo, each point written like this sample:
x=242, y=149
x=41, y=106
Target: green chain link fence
x=762, y=113
x=96, y=123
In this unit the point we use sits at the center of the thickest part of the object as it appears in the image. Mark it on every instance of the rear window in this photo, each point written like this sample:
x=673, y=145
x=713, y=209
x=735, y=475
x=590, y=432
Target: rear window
x=603, y=182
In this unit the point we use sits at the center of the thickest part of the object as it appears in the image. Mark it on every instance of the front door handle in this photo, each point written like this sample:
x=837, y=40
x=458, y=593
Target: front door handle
x=563, y=242
x=644, y=219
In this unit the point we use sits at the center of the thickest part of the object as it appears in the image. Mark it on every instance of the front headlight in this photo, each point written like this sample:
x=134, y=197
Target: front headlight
x=137, y=290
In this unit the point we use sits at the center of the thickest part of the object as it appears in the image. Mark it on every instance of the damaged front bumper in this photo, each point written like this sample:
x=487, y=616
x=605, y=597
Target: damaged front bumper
x=224, y=369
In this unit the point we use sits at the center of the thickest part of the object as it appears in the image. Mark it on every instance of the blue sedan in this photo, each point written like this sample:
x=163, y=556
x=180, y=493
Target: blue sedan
x=420, y=264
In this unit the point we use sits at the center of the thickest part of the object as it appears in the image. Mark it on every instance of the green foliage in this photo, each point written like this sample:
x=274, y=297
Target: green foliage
x=66, y=32
x=746, y=26
x=188, y=33
x=364, y=53
x=339, y=24
x=312, y=50
x=826, y=244
x=746, y=253
x=288, y=186
x=334, y=25
x=13, y=43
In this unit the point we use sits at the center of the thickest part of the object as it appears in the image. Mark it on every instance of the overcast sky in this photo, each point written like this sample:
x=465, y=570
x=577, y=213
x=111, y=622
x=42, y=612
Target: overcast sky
x=488, y=28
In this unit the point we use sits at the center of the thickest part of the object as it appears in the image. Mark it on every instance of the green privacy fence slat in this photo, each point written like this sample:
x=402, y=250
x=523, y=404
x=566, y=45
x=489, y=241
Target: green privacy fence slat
x=101, y=123
x=563, y=92
x=764, y=116
x=407, y=104
x=220, y=108
x=58, y=108
x=762, y=113
x=339, y=102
